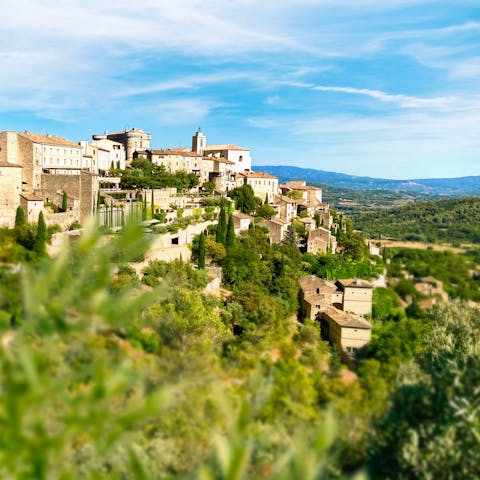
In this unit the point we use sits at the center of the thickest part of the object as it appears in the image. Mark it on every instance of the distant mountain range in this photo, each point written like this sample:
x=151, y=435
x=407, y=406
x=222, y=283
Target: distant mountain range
x=449, y=187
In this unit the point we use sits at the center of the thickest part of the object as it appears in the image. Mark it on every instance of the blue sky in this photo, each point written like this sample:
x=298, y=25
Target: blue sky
x=367, y=87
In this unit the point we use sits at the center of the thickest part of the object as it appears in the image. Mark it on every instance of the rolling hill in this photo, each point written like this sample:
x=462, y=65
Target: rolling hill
x=448, y=187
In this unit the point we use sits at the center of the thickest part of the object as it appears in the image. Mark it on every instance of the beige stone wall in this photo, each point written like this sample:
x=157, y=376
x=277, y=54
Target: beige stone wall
x=358, y=300
x=64, y=219
x=84, y=187
x=355, y=338
x=318, y=241
x=32, y=208
x=263, y=187
x=10, y=190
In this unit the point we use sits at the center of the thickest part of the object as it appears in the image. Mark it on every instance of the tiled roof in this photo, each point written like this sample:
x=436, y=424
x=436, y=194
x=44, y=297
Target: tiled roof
x=312, y=281
x=347, y=320
x=221, y=160
x=49, y=140
x=300, y=188
x=242, y=215
x=257, y=175
x=284, y=198
x=175, y=151
x=227, y=146
x=355, y=282
x=8, y=164
x=32, y=198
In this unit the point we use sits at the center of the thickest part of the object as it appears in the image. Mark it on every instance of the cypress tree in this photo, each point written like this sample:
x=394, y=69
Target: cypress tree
x=221, y=236
x=152, y=205
x=144, y=206
x=230, y=238
x=64, y=202
x=20, y=217
x=41, y=238
x=201, y=251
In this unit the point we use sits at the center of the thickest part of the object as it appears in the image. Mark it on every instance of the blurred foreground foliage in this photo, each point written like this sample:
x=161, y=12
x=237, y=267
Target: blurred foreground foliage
x=111, y=371
x=105, y=376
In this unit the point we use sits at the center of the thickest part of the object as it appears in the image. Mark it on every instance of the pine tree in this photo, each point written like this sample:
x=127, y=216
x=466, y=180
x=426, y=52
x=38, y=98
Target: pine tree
x=20, y=217
x=40, y=245
x=201, y=252
x=230, y=237
x=221, y=236
x=64, y=202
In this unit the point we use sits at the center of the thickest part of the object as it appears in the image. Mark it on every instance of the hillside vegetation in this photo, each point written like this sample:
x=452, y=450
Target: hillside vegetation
x=110, y=374
x=454, y=220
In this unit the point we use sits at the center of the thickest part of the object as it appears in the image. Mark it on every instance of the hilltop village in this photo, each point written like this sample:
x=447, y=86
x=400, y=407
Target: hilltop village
x=68, y=182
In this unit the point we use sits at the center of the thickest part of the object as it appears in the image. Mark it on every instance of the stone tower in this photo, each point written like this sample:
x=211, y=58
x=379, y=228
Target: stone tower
x=199, y=142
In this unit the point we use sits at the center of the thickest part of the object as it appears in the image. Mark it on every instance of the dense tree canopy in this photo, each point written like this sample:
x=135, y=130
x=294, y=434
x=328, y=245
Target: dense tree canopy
x=145, y=174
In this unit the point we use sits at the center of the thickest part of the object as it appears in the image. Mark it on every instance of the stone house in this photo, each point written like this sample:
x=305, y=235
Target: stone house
x=349, y=333
x=316, y=294
x=10, y=190
x=240, y=156
x=310, y=195
x=39, y=154
x=263, y=184
x=277, y=229
x=357, y=295
x=32, y=205
x=286, y=207
x=175, y=160
x=320, y=240
x=242, y=221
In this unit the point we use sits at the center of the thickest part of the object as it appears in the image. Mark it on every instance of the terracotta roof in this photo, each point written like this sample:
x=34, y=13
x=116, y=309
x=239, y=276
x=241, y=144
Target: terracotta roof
x=175, y=151
x=32, y=198
x=284, y=198
x=256, y=175
x=300, y=188
x=298, y=183
x=222, y=160
x=49, y=140
x=345, y=319
x=227, y=146
x=355, y=282
x=8, y=164
x=312, y=281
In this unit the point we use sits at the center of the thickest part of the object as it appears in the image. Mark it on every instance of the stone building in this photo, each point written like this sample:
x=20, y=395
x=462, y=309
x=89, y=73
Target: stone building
x=219, y=171
x=263, y=184
x=310, y=194
x=242, y=221
x=357, y=295
x=240, y=156
x=320, y=240
x=349, y=333
x=133, y=140
x=10, y=190
x=176, y=159
x=112, y=154
x=339, y=315
x=38, y=154
x=286, y=207
x=317, y=294
x=82, y=187
x=277, y=229
x=32, y=205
